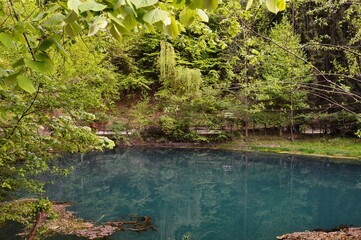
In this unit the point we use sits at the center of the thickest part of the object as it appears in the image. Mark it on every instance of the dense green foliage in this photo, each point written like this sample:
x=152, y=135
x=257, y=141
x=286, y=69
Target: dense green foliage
x=169, y=71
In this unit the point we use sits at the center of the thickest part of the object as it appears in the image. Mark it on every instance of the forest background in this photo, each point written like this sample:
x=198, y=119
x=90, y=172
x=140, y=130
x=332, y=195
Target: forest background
x=184, y=71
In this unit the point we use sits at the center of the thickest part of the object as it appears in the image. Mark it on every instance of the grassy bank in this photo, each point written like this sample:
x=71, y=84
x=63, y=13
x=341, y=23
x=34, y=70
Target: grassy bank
x=331, y=147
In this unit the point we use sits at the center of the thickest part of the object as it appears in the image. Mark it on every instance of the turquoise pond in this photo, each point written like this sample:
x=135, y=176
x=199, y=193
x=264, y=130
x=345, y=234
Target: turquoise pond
x=211, y=194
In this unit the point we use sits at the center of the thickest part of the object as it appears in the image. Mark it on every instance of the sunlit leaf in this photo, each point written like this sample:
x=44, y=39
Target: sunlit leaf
x=202, y=15
x=187, y=16
x=272, y=5
x=25, y=84
x=129, y=20
x=143, y=3
x=7, y=40
x=74, y=5
x=281, y=4
x=249, y=4
x=155, y=15
x=172, y=29
x=118, y=23
x=91, y=5
x=99, y=23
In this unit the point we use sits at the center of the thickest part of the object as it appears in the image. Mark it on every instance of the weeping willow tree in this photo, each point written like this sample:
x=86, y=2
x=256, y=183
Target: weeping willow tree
x=179, y=80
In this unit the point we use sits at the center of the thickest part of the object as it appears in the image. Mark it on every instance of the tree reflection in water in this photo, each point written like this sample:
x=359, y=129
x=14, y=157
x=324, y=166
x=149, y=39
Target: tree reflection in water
x=212, y=194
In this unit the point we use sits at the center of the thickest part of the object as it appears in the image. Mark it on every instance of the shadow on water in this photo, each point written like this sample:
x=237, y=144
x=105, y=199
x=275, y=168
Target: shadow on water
x=211, y=194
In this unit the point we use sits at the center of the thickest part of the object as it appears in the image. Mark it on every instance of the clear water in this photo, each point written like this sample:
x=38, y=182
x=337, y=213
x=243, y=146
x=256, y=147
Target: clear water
x=211, y=194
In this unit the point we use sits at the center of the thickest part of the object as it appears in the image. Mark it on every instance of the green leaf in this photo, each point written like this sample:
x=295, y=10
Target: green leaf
x=11, y=79
x=54, y=20
x=197, y=4
x=211, y=4
x=7, y=40
x=272, y=5
x=129, y=20
x=99, y=23
x=74, y=5
x=41, y=67
x=115, y=33
x=119, y=25
x=187, y=16
x=72, y=17
x=72, y=29
x=172, y=29
x=45, y=44
x=25, y=84
x=91, y=5
x=18, y=63
x=143, y=3
x=249, y=4
x=281, y=4
x=179, y=3
x=61, y=49
x=155, y=15
x=202, y=15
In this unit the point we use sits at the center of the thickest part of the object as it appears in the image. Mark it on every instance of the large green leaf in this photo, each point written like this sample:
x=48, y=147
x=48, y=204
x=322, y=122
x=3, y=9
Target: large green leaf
x=275, y=5
x=11, y=79
x=281, y=4
x=118, y=23
x=72, y=29
x=143, y=3
x=45, y=44
x=54, y=20
x=72, y=17
x=187, y=16
x=74, y=5
x=7, y=40
x=172, y=29
x=115, y=33
x=41, y=67
x=99, y=23
x=197, y=4
x=129, y=20
x=91, y=5
x=202, y=15
x=25, y=84
x=156, y=15
x=210, y=4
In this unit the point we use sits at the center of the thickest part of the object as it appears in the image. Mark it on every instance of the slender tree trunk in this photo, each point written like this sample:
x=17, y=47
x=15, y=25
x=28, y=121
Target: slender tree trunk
x=292, y=117
x=40, y=217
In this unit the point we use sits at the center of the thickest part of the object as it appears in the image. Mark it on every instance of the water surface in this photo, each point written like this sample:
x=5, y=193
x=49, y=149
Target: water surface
x=211, y=194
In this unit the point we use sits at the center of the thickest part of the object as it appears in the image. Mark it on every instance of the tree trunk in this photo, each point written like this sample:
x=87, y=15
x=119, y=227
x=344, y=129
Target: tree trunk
x=40, y=217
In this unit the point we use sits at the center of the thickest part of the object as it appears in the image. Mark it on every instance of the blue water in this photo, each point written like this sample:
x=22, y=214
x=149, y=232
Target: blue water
x=211, y=194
